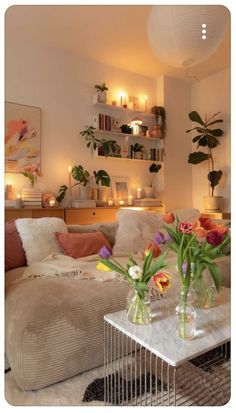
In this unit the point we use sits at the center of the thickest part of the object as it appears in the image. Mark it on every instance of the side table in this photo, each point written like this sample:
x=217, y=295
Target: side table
x=149, y=365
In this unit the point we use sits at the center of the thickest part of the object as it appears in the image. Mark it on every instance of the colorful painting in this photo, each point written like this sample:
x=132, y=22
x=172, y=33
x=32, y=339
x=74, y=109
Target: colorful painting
x=22, y=138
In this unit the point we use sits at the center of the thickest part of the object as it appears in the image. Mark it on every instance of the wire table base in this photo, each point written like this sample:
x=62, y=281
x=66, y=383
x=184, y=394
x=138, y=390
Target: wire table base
x=134, y=376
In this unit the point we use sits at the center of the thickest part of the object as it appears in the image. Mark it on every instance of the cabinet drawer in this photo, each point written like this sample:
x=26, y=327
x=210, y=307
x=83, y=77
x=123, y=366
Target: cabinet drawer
x=17, y=213
x=43, y=213
x=88, y=216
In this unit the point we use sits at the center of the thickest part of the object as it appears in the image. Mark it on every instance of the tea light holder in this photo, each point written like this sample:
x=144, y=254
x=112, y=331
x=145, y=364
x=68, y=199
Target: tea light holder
x=130, y=200
x=52, y=202
x=110, y=202
x=121, y=202
x=18, y=201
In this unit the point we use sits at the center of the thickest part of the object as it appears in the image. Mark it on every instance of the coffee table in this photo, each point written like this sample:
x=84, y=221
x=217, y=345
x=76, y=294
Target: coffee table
x=150, y=365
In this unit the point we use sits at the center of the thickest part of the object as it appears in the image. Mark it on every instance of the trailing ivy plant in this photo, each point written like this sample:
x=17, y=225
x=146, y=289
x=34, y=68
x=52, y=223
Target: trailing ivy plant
x=108, y=147
x=208, y=138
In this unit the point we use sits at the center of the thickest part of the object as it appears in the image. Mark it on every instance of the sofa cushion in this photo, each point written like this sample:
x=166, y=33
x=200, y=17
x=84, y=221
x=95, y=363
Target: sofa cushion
x=109, y=229
x=136, y=229
x=38, y=236
x=82, y=245
x=14, y=252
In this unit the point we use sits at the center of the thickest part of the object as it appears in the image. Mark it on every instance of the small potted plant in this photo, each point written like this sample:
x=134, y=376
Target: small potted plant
x=159, y=129
x=102, y=180
x=101, y=95
x=82, y=176
x=149, y=190
x=138, y=154
x=207, y=138
x=106, y=147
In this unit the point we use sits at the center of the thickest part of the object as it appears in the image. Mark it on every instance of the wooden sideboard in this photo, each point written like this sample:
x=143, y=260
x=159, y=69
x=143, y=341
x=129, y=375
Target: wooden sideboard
x=14, y=213
x=100, y=214
x=86, y=216
x=72, y=216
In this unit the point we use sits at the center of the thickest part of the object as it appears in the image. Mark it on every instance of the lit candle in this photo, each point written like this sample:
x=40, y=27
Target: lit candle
x=110, y=202
x=69, y=170
x=18, y=202
x=145, y=98
x=121, y=202
x=122, y=95
x=130, y=200
x=139, y=193
x=52, y=202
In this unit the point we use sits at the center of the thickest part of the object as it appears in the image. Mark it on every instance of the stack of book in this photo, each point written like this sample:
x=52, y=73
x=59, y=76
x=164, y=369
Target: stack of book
x=32, y=198
x=83, y=203
x=148, y=202
x=10, y=203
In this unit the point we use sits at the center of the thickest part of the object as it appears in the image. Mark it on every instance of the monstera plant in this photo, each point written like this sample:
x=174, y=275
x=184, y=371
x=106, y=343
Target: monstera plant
x=207, y=137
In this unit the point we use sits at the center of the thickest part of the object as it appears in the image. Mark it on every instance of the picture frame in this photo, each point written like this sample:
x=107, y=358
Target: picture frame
x=120, y=189
x=22, y=138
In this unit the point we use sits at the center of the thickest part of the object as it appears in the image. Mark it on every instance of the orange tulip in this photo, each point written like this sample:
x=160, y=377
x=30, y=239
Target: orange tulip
x=200, y=232
x=156, y=250
x=169, y=218
x=162, y=281
x=222, y=229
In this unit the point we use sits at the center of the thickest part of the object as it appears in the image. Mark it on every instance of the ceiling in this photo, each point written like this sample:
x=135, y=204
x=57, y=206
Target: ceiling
x=114, y=35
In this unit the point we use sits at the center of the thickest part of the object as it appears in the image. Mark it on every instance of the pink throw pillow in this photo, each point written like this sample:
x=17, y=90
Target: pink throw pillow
x=78, y=245
x=14, y=252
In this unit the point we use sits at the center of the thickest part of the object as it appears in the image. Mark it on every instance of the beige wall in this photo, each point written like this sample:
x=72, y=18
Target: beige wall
x=62, y=85
x=209, y=96
x=178, y=176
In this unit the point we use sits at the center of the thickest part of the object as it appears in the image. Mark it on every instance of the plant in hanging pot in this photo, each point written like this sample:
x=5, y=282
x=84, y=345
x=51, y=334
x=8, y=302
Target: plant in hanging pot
x=102, y=180
x=149, y=190
x=159, y=129
x=101, y=95
x=208, y=138
x=82, y=176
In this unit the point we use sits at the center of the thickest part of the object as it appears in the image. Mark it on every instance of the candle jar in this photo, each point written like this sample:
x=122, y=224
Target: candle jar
x=139, y=193
x=110, y=202
x=52, y=202
x=130, y=200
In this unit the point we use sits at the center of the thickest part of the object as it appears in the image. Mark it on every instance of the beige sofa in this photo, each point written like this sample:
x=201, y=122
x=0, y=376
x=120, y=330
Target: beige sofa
x=54, y=327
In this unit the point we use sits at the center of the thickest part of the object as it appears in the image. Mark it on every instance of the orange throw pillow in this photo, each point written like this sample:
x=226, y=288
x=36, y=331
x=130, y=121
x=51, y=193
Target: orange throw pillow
x=78, y=245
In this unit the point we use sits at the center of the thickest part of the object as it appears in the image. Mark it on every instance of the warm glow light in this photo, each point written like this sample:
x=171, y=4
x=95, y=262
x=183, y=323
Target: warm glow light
x=122, y=96
x=139, y=193
x=18, y=196
x=110, y=202
x=121, y=202
x=69, y=169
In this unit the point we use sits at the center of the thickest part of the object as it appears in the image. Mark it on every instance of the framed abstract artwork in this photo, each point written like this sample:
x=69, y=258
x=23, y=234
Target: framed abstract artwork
x=22, y=137
x=120, y=188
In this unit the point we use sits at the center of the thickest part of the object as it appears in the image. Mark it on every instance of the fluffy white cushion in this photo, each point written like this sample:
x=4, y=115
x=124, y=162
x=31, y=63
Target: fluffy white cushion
x=38, y=236
x=136, y=229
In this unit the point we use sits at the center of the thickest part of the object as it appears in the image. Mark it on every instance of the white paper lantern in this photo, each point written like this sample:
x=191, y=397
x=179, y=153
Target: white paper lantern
x=182, y=36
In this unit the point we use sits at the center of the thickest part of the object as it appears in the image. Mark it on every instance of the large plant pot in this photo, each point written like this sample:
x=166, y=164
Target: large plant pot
x=213, y=203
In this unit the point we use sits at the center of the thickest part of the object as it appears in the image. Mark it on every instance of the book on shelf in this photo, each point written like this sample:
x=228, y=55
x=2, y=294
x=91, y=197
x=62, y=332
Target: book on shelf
x=80, y=203
x=32, y=203
x=148, y=202
x=10, y=203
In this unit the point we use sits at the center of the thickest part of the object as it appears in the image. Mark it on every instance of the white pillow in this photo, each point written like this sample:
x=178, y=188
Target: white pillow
x=136, y=229
x=188, y=214
x=38, y=236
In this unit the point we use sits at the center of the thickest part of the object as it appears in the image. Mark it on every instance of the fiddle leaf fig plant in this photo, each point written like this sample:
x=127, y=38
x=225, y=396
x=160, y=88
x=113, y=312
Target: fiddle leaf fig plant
x=207, y=138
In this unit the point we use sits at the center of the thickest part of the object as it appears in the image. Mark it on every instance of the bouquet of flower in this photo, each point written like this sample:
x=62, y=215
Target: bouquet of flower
x=138, y=309
x=32, y=174
x=197, y=244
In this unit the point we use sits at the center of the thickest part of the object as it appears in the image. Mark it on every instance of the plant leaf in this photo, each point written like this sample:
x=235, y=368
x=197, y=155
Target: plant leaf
x=215, y=121
x=214, y=177
x=215, y=132
x=197, y=157
x=197, y=138
x=195, y=117
x=215, y=273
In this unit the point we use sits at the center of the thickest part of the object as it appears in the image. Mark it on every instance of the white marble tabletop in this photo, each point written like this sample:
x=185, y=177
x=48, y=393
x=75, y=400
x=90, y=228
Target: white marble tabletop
x=160, y=337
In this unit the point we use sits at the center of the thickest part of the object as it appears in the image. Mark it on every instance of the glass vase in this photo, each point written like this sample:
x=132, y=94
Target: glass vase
x=204, y=293
x=185, y=316
x=138, y=307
